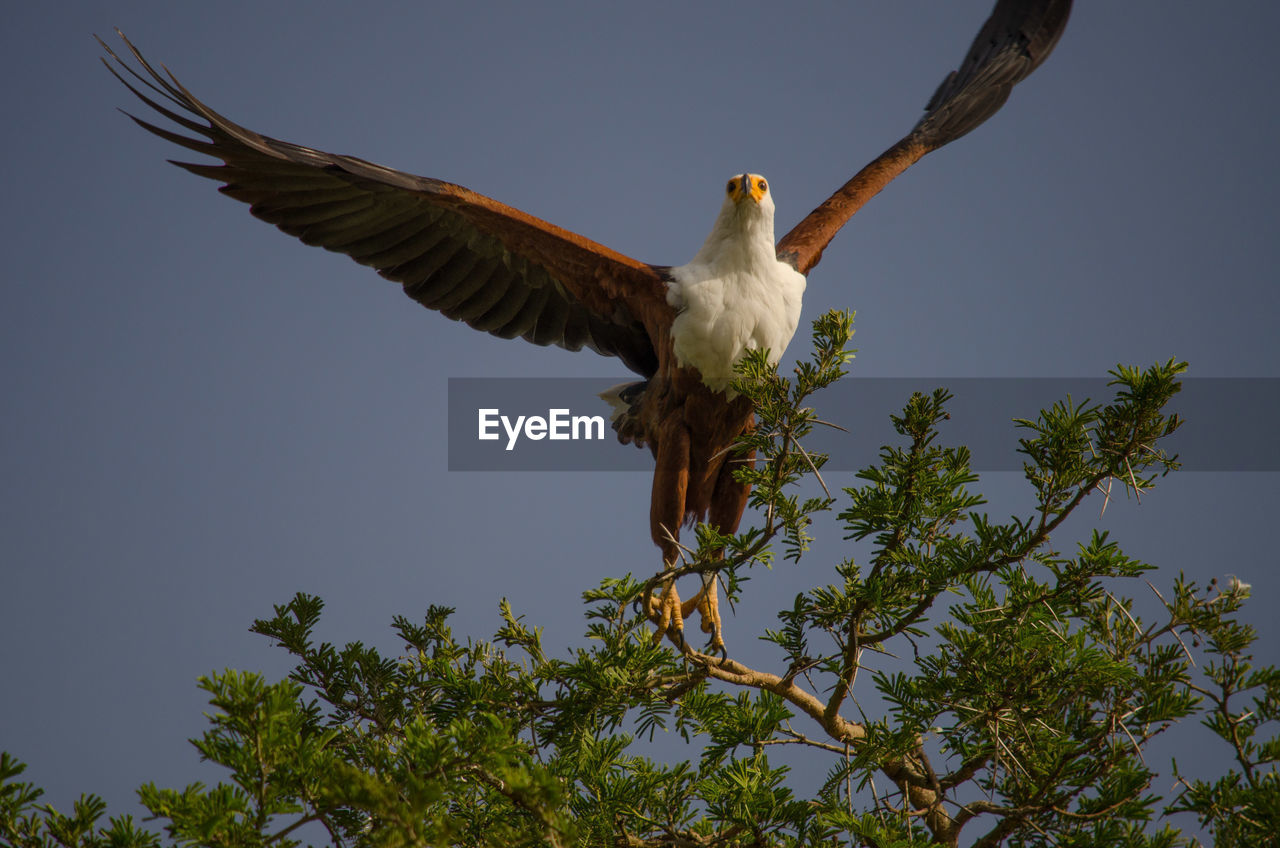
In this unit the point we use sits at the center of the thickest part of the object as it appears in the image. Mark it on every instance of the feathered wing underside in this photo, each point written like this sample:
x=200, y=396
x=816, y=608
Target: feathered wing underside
x=460, y=253
x=1013, y=42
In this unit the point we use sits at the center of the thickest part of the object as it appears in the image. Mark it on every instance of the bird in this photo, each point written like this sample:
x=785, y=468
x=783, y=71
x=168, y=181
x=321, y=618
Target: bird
x=681, y=328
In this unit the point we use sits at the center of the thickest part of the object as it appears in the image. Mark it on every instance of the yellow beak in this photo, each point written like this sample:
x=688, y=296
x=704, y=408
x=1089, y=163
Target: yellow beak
x=748, y=187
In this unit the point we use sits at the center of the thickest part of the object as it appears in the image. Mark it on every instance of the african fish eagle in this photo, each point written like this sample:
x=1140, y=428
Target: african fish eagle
x=508, y=273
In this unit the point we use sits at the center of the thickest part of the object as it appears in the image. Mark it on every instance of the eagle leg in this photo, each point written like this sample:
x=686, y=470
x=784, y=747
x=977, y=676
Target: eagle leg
x=708, y=603
x=728, y=502
x=667, y=613
x=666, y=509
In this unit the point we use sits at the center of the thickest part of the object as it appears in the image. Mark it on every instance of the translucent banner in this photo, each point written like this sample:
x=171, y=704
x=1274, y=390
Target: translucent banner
x=561, y=424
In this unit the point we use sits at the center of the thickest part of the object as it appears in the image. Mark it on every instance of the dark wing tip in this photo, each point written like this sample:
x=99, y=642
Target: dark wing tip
x=1017, y=37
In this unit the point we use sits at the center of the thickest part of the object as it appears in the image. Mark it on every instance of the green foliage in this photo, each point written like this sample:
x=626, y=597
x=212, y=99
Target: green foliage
x=960, y=680
x=1242, y=808
x=26, y=823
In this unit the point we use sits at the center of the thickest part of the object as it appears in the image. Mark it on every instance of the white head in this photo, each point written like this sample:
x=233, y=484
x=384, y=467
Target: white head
x=748, y=195
x=745, y=223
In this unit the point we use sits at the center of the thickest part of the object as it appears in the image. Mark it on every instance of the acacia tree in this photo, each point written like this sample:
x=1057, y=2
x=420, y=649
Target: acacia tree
x=1021, y=718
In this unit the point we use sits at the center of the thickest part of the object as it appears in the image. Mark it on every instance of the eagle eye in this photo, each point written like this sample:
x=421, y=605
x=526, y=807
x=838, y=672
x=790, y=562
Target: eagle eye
x=762, y=185
x=729, y=187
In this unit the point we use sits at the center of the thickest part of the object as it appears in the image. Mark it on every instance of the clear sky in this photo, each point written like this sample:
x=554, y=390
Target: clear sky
x=203, y=416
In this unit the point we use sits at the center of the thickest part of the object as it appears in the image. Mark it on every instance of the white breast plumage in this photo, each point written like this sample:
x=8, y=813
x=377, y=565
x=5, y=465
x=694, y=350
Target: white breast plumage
x=727, y=310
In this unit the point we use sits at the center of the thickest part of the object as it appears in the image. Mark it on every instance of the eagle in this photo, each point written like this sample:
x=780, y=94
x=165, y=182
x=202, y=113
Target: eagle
x=681, y=328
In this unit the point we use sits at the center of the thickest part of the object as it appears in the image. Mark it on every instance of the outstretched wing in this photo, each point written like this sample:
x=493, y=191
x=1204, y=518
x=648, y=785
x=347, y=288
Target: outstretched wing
x=1013, y=42
x=455, y=251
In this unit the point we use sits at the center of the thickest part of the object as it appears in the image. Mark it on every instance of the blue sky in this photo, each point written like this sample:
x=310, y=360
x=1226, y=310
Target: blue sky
x=204, y=416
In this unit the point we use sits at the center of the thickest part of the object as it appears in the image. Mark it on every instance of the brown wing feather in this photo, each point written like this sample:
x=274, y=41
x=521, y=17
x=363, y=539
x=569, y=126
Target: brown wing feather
x=1013, y=42
x=455, y=251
